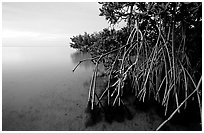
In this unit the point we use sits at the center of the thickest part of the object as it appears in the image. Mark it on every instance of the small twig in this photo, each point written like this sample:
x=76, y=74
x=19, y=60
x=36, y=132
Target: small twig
x=83, y=61
x=77, y=65
x=100, y=56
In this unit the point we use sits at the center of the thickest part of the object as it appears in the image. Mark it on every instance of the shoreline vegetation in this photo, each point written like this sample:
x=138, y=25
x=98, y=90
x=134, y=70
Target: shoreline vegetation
x=154, y=60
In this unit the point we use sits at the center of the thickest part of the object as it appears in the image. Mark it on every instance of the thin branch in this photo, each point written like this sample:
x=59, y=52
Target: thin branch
x=98, y=56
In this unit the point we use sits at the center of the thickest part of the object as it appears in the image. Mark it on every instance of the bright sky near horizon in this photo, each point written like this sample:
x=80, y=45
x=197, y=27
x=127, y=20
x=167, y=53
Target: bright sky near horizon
x=48, y=23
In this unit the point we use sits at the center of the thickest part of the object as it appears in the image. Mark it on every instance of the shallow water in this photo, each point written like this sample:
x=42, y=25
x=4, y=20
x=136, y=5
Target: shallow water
x=34, y=78
x=40, y=92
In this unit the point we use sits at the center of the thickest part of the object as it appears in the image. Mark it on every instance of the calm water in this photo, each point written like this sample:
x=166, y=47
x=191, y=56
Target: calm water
x=40, y=92
x=38, y=80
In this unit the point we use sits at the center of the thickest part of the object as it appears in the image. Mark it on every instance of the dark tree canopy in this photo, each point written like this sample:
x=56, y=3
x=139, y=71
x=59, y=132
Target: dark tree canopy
x=185, y=16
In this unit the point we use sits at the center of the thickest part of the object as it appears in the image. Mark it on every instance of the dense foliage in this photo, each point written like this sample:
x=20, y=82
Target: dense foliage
x=187, y=19
x=101, y=42
x=159, y=52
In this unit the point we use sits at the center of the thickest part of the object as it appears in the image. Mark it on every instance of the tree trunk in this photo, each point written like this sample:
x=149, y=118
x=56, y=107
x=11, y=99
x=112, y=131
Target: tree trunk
x=130, y=16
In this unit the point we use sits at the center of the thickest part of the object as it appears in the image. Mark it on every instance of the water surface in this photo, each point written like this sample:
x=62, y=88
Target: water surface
x=36, y=80
x=40, y=92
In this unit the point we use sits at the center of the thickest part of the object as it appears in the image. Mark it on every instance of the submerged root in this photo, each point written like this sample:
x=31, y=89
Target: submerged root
x=88, y=108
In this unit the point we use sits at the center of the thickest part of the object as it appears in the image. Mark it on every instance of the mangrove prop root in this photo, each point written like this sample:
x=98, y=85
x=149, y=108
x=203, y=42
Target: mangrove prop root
x=143, y=65
x=161, y=125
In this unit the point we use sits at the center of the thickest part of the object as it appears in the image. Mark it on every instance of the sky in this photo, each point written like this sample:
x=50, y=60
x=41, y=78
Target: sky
x=48, y=23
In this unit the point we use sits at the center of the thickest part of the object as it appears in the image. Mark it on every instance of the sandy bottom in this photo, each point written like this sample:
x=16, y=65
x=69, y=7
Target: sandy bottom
x=56, y=110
